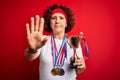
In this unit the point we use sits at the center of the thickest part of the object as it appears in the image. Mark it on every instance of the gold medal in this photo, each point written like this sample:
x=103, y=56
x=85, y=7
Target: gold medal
x=58, y=56
x=55, y=71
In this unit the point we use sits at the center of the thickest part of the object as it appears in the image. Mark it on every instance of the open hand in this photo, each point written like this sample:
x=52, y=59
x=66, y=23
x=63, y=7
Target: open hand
x=35, y=33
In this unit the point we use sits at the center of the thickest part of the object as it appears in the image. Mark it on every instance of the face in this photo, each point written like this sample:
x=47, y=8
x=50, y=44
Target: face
x=58, y=23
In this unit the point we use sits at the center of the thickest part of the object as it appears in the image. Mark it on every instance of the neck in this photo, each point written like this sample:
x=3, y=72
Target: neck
x=59, y=36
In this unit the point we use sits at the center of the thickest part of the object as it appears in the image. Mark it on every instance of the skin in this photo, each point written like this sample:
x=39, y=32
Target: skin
x=58, y=24
x=35, y=36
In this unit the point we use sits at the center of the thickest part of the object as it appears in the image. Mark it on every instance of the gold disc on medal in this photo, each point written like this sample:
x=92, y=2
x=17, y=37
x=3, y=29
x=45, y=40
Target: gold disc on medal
x=55, y=71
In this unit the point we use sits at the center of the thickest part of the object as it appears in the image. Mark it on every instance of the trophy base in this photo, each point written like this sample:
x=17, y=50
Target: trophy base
x=72, y=66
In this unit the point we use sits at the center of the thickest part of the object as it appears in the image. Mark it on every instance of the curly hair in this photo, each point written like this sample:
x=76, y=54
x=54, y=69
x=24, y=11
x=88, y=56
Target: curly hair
x=47, y=16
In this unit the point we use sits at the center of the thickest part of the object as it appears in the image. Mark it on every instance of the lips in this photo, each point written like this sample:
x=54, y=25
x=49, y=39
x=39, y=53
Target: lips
x=57, y=25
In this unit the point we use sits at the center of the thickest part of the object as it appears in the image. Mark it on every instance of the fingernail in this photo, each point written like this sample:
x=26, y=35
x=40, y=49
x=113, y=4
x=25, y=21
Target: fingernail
x=32, y=18
x=37, y=15
x=27, y=24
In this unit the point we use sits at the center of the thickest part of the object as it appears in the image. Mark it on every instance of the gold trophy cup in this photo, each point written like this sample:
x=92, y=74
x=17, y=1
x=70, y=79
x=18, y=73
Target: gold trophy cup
x=74, y=42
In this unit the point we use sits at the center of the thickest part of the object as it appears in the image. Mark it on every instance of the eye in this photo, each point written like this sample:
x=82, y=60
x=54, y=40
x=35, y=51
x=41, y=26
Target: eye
x=61, y=17
x=53, y=18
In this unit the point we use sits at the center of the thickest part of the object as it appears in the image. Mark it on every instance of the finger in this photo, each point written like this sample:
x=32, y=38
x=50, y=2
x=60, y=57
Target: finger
x=44, y=41
x=37, y=22
x=77, y=60
x=32, y=24
x=41, y=25
x=27, y=29
x=81, y=66
x=72, y=57
x=81, y=60
x=77, y=56
x=78, y=63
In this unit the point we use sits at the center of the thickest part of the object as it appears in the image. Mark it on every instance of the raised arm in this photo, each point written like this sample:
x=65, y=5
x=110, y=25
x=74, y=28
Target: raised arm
x=34, y=37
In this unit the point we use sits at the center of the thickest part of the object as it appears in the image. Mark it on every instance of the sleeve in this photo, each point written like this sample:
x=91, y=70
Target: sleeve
x=39, y=51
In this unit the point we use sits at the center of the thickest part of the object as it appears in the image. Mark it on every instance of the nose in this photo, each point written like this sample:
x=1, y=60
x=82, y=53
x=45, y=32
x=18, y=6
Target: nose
x=57, y=20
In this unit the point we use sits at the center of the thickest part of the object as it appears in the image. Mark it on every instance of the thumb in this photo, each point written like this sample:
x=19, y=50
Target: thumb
x=44, y=41
x=77, y=57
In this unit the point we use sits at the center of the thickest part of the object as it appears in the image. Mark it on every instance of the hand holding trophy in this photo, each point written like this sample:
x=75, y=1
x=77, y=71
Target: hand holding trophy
x=74, y=42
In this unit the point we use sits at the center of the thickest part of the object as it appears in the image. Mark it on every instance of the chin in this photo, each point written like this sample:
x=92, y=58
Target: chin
x=57, y=32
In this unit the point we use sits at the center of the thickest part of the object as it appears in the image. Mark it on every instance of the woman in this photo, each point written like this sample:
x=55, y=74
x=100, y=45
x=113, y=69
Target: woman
x=54, y=52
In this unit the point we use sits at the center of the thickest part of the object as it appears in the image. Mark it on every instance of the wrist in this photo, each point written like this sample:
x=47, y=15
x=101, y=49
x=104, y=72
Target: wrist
x=30, y=50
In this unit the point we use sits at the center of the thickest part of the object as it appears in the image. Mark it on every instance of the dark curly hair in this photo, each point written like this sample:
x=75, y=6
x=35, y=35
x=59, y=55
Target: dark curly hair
x=47, y=16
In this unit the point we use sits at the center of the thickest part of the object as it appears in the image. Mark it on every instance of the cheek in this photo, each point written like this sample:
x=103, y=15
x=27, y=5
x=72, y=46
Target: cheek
x=65, y=24
x=51, y=24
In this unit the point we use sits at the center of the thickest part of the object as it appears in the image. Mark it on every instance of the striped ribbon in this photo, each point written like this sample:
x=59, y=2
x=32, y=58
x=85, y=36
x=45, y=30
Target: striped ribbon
x=58, y=56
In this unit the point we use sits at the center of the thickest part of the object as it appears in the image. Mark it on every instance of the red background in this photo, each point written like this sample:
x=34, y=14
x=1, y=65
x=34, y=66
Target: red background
x=99, y=20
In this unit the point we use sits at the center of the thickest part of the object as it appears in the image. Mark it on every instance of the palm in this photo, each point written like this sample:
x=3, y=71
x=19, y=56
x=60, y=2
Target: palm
x=34, y=40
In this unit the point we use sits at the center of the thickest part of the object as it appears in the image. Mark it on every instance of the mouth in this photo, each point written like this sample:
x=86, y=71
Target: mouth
x=57, y=25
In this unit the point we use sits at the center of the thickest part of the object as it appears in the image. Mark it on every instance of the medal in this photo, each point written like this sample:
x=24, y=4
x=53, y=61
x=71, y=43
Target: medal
x=61, y=71
x=55, y=71
x=58, y=56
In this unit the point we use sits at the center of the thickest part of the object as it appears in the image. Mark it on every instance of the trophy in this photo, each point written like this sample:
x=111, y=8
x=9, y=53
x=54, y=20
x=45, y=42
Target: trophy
x=74, y=42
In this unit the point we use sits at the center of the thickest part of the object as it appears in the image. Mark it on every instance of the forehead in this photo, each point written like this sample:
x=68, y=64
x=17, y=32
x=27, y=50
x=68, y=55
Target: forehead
x=58, y=14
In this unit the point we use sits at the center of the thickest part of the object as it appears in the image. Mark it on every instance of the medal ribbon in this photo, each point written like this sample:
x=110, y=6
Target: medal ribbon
x=85, y=48
x=58, y=57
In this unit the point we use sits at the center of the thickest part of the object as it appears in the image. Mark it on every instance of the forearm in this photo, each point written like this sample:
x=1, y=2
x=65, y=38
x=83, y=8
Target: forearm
x=29, y=55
